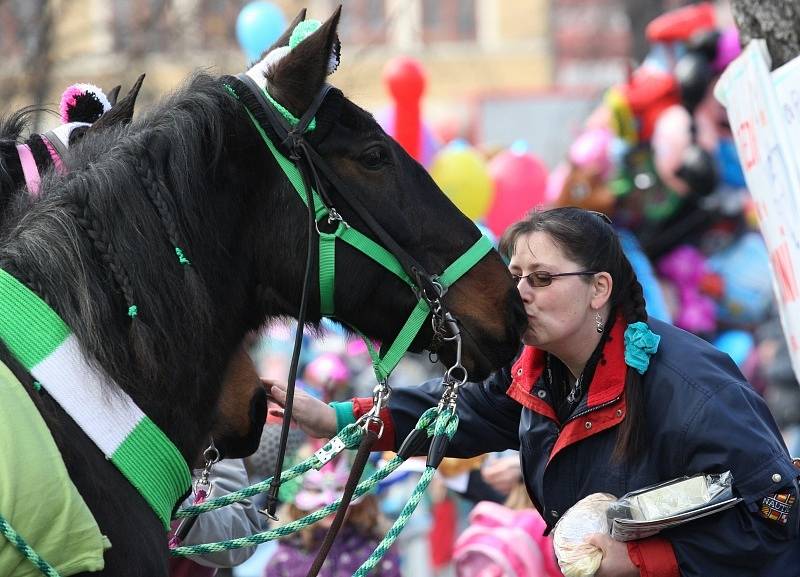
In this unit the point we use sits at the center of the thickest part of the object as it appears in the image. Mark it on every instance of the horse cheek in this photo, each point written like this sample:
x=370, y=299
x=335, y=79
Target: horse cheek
x=241, y=408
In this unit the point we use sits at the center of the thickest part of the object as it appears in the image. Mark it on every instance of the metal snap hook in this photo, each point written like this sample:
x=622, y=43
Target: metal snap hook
x=211, y=454
x=367, y=420
x=454, y=380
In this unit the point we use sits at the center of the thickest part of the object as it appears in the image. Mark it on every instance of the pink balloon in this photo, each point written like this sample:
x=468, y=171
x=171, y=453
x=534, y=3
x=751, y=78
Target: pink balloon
x=327, y=367
x=591, y=150
x=520, y=184
x=671, y=136
x=555, y=183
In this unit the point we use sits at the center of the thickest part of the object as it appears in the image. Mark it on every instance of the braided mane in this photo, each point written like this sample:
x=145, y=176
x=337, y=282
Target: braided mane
x=102, y=240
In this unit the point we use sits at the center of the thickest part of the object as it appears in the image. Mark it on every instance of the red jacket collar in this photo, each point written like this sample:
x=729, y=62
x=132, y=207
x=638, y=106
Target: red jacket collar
x=607, y=384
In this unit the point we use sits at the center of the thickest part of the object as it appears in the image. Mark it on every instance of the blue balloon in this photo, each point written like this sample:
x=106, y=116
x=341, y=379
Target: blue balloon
x=457, y=144
x=737, y=343
x=258, y=25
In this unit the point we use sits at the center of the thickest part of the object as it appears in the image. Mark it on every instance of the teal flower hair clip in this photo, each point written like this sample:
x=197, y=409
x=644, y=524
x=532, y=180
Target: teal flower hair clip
x=640, y=344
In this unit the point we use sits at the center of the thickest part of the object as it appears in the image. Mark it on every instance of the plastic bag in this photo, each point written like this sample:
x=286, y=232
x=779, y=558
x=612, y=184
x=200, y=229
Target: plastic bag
x=647, y=511
x=576, y=557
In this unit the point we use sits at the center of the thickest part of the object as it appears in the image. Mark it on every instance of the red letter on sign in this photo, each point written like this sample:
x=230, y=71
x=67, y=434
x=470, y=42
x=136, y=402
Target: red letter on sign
x=783, y=269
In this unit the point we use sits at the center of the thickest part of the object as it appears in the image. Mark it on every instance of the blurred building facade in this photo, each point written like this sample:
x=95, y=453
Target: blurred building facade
x=479, y=54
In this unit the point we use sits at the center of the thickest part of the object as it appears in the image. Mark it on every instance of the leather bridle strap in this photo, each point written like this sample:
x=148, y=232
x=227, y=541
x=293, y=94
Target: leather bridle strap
x=292, y=140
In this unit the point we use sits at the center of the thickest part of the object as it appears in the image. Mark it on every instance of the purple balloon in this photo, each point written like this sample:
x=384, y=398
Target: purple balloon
x=728, y=48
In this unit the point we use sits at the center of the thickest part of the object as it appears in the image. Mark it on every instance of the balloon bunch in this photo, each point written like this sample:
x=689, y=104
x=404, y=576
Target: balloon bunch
x=495, y=192
x=658, y=157
x=498, y=192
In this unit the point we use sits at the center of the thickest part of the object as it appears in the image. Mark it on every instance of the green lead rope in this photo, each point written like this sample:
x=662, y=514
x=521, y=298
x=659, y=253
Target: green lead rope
x=431, y=421
x=26, y=550
x=350, y=437
x=446, y=423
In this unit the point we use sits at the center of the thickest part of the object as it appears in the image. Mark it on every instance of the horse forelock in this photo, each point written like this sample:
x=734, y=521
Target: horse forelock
x=12, y=127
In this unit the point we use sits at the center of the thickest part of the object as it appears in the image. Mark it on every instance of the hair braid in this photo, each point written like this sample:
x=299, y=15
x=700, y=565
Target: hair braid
x=632, y=434
x=105, y=249
x=153, y=188
x=633, y=305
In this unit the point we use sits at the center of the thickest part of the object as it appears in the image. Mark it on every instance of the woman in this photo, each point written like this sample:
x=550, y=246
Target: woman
x=598, y=403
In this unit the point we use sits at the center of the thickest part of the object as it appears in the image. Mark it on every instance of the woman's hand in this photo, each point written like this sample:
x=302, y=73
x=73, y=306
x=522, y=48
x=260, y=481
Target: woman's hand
x=314, y=417
x=502, y=474
x=616, y=562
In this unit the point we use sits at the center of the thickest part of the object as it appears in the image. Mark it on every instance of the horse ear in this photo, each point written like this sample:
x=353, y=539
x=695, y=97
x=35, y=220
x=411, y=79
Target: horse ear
x=122, y=111
x=113, y=94
x=296, y=78
x=284, y=38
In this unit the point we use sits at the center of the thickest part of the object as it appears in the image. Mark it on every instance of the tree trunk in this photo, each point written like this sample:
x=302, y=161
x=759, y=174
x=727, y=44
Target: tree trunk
x=41, y=62
x=776, y=21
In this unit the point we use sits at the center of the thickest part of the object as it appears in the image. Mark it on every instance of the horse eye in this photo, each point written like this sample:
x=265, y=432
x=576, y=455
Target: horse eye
x=375, y=157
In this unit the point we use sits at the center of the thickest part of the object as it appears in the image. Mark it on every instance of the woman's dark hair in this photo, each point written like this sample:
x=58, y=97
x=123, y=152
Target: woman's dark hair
x=588, y=239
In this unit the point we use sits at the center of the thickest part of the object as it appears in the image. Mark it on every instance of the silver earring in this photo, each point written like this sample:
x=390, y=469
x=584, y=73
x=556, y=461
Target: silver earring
x=599, y=322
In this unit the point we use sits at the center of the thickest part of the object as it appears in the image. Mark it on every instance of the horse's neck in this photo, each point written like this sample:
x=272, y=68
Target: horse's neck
x=171, y=357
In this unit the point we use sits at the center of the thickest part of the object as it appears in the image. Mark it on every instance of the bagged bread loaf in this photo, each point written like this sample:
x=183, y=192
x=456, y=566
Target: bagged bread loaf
x=576, y=557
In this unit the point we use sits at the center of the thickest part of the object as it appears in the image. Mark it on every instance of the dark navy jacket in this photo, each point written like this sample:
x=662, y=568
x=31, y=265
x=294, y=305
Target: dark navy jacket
x=701, y=417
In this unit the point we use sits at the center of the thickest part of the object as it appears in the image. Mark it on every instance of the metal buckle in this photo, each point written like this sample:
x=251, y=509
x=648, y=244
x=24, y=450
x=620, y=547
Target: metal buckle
x=329, y=451
x=367, y=419
x=333, y=216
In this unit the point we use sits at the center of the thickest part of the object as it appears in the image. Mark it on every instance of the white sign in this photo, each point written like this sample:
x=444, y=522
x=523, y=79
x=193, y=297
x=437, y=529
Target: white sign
x=764, y=113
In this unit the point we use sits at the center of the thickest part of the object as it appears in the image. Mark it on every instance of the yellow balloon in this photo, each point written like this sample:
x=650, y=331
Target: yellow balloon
x=463, y=176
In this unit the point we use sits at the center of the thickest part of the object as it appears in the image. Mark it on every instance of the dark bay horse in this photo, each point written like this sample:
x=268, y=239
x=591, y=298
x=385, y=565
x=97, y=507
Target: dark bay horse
x=194, y=174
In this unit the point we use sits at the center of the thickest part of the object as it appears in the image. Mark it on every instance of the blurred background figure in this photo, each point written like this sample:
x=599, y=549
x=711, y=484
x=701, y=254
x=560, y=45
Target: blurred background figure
x=504, y=542
x=231, y=522
x=363, y=528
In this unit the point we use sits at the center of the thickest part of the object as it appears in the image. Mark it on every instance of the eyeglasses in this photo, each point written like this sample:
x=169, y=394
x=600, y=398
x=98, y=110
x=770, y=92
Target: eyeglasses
x=540, y=278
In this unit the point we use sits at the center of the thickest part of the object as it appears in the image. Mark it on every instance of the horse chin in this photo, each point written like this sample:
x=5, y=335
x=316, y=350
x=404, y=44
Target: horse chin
x=484, y=352
x=476, y=364
x=236, y=446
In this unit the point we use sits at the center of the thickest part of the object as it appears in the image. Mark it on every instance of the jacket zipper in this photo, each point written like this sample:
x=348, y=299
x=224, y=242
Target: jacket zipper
x=587, y=411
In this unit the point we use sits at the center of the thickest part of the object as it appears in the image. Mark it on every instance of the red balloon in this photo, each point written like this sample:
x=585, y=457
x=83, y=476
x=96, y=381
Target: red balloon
x=520, y=183
x=405, y=79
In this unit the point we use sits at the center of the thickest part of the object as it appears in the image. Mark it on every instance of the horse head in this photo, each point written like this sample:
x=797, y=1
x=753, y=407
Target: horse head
x=84, y=112
x=392, y=191
x=84, y=109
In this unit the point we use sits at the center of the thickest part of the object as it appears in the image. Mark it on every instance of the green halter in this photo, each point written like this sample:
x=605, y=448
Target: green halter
x=383, y=366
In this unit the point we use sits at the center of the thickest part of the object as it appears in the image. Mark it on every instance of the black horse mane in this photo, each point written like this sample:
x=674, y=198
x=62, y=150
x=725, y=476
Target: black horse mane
x=102, y=239
x=12, y=127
